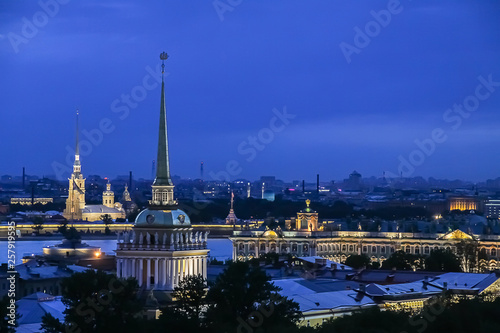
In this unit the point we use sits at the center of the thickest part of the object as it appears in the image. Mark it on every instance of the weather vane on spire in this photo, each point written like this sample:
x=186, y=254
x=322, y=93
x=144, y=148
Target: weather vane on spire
x=163, y=57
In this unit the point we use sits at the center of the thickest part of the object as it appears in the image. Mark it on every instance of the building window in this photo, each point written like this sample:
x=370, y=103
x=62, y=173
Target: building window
x=493, y=252
x=374, y=249
x=417, y=250
x=426, y=250
x=344, y=248
x=351, y=248
x=408, y=249
x=382, y=249
x=365, y=249
x=262, y=247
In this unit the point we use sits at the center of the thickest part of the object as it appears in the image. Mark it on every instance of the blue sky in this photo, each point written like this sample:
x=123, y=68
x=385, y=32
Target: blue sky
x=231, y=64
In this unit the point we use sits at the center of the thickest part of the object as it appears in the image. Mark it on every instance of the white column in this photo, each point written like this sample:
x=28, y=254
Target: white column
x=157, y=272
x=141, y=271
x=200, y=271
x=148, y=274
x=181, y=269
x=175, y=275
x=203, y=267
x=164, y=273
x=168, y=276
x=119, y=268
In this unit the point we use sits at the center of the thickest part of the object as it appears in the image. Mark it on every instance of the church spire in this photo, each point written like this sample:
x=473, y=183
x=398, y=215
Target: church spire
x=163, y=188
x=77, y=149
x=162, y=161
x=77, y=166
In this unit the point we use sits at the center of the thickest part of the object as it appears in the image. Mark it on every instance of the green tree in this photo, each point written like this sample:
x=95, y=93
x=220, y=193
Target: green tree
x=442, y=260
x=38, y=224
x=107, y=220
x=371, y=320
x=243, y=298
x=98, y=302
x=63, y=228
x=185, y=314
x=399, y=260
x=467, y=251
x=478, y=315
x=357, y=261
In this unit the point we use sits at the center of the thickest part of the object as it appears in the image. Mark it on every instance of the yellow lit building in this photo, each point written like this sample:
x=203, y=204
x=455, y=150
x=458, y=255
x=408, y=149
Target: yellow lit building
x=28, y=201
x=464, y=203
x=76, y=209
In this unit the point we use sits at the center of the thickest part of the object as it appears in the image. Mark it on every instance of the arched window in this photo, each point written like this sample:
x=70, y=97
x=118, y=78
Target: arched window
x=426, y=250
x=351, y=248
x=374, y=249
x=493, y=252
x=262, y=246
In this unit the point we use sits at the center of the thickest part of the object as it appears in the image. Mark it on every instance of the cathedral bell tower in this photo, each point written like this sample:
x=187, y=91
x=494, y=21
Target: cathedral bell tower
x=76, y=189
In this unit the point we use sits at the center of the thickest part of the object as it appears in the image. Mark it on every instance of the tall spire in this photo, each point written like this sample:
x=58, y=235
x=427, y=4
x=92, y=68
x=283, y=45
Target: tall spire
x=77, y=168
x=77, y=147
x=162, y=161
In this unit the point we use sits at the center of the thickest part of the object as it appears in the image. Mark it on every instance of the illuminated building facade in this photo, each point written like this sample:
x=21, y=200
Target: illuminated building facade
x=464, y=203
x=29, y=201
x=303, y=237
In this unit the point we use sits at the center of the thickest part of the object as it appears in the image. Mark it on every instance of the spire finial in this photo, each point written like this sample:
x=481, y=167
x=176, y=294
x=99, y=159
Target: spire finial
x=163, y=57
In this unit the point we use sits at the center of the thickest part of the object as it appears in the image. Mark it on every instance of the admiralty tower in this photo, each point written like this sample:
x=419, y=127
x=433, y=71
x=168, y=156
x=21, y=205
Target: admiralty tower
x=162, y=249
